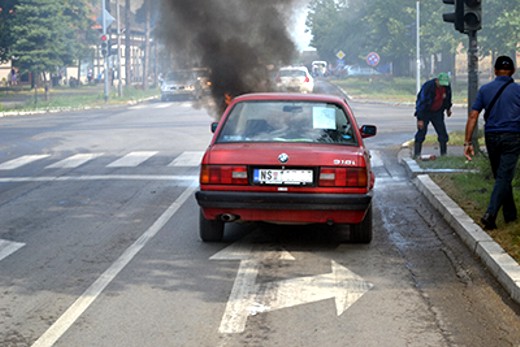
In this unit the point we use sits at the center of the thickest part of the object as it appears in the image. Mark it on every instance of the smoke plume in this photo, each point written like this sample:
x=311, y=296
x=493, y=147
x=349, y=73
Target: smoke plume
x=238, y=40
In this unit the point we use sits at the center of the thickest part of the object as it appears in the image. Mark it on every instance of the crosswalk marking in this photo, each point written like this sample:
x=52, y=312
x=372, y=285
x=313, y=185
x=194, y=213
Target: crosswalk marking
x=129, y=160
x=21, y=161
x=133, y=159
x=375, y=159
x=187, y=159
x=74, y=161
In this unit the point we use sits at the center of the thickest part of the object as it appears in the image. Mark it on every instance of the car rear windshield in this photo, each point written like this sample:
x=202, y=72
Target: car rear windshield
x=292, y=73
x=287, y=121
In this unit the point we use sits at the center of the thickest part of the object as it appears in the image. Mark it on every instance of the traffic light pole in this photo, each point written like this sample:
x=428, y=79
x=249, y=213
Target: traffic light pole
x=105, y=59
x=473, y=79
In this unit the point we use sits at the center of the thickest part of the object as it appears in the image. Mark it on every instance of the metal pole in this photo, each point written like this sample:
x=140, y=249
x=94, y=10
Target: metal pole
x=418, y=49
x=120, y=84
x=473, y=79
x=105, y=59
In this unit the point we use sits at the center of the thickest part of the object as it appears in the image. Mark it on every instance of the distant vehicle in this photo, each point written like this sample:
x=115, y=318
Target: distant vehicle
x=180, y=84
x=355, y=70
x=287, y=158
x=319, y=68
x=294, y=79
x=203, y=78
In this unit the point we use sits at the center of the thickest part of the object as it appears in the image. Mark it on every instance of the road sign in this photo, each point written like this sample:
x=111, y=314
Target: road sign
x=373, y=59
x=340, y=55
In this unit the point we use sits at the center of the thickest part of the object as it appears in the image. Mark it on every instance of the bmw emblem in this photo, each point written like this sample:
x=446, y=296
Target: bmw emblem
x=283, y=158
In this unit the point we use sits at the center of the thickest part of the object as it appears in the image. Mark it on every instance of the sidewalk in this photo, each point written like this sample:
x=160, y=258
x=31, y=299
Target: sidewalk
x=500, y=264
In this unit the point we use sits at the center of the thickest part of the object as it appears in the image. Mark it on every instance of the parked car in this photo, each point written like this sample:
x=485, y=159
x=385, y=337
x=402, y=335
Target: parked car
x=180, y=84
x=294, y=79
x=287, y=158
x=354, y=70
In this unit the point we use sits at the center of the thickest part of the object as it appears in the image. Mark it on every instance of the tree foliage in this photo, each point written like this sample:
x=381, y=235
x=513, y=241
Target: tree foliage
x=46, y=35
x=7, y=15
x=389, y=28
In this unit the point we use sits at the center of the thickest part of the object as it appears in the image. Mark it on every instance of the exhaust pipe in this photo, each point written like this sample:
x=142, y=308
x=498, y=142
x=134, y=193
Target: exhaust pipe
x=228, y=217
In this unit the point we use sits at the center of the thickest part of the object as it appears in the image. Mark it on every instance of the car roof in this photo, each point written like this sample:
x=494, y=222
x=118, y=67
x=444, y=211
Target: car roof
x=289, y=97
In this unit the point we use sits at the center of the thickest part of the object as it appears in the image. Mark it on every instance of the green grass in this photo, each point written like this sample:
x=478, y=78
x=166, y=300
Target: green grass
x=82, y=97
x=472, y=190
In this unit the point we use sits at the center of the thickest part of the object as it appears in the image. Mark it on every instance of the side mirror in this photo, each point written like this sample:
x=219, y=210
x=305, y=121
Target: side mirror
x=214, y=126
x=368, y=131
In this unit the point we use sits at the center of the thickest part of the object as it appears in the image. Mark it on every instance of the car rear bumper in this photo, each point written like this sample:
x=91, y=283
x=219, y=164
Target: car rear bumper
x=310, y=208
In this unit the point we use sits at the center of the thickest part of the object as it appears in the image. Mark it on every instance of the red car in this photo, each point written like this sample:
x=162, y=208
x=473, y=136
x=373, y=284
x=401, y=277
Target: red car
x=287, y=158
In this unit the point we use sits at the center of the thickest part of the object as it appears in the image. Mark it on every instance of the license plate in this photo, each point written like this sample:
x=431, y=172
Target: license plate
x=287, y=177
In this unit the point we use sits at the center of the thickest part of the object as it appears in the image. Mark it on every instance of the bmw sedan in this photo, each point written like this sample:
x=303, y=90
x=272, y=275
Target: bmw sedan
x=287, y=158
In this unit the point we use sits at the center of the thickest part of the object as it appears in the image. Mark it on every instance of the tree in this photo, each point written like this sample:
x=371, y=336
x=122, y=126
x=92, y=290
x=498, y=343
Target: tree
x=7, y=15
x=48, y=35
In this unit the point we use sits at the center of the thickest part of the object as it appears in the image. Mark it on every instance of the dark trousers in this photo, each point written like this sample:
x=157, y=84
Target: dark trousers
x=503, y=150
x=437, y=119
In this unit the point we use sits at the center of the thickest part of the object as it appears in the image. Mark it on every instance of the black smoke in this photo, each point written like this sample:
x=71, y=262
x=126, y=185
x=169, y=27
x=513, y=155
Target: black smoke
x=238, y=40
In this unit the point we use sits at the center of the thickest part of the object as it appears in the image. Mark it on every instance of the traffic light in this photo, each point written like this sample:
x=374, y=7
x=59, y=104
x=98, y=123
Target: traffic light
x=472, y=15
x=104, y=45
x=457, y=17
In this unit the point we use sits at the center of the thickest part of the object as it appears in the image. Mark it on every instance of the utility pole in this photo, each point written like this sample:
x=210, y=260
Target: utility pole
x=105, y=59
x=120, y=80
x=473, y=78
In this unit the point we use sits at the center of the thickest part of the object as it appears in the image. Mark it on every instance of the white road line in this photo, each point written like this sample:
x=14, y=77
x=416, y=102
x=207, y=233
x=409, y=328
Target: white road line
x=59, y=327
x=21, y=161
x=74, y=161
x=8, y=247
x=132, y=159
x=188, y=159
x=98, y=178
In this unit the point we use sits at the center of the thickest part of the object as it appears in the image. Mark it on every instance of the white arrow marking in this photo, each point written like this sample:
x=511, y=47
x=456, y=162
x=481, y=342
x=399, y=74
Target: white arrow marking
x=7, y=248
x=248, y=298
x=341, y=284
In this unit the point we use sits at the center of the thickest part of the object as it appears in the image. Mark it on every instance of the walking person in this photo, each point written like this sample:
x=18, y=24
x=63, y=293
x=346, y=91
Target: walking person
x=433, y=99
x=501, y=100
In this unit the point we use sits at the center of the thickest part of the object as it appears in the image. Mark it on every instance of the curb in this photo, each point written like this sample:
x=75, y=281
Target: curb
x=505, y=269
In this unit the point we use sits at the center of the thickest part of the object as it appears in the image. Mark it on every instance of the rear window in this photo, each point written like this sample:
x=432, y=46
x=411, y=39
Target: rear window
x=283, y=121
x=292, y=73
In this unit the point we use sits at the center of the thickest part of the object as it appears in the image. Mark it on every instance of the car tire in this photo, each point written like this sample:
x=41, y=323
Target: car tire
x=362, y=232
x=210, y=230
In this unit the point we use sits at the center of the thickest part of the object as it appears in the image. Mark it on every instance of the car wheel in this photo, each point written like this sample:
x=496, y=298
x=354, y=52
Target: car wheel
x=362, y=232
x=210, y=230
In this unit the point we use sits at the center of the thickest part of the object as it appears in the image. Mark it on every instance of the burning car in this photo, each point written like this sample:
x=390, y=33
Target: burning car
x=180, y=84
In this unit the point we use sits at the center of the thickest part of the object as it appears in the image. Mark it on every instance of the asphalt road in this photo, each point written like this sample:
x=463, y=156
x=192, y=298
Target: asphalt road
x=98, y=214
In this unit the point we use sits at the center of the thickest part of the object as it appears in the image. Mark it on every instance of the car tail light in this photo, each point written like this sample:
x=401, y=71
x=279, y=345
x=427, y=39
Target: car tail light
x=307, y=79
x=223, y=174
x=343, y=177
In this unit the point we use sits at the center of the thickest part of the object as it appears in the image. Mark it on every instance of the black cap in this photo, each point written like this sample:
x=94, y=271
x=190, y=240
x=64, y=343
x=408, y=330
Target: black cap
x=504, y=63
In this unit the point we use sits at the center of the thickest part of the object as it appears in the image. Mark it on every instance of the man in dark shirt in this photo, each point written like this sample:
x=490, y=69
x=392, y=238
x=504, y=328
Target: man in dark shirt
x=502, y=134
x=433, y=99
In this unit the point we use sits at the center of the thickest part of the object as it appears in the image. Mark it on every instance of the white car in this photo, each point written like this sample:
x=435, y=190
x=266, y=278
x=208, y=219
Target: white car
x=294, y=79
